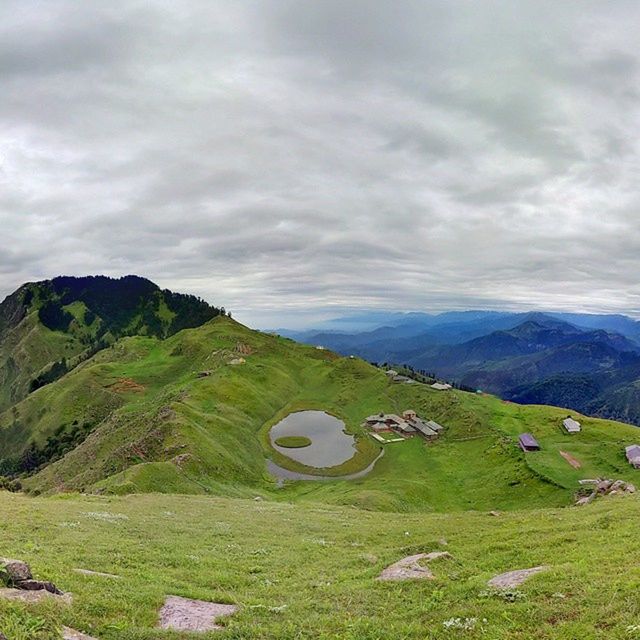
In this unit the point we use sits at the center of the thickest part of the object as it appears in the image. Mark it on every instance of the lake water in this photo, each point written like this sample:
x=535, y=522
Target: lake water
x=330, y=445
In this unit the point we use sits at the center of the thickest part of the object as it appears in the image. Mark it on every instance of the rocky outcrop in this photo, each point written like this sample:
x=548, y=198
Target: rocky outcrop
x=603, y=487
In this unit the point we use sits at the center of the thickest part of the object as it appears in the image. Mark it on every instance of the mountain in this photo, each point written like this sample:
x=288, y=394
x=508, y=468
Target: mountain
x=49, y=327
x=527, y=358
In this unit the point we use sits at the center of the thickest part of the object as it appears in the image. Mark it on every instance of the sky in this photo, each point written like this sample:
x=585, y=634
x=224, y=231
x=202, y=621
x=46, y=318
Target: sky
x=295, y=160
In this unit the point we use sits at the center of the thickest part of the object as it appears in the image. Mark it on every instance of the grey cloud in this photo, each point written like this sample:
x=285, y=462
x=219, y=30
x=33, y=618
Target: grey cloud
x=319, y=156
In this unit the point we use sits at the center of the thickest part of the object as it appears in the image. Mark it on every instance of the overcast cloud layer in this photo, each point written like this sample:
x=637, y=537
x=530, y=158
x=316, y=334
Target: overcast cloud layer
x=307, y=157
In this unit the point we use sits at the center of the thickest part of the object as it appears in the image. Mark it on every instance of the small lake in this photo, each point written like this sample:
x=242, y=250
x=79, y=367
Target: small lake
x=330, y=445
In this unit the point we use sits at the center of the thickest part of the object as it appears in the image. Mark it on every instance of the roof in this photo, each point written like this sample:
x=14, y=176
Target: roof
x=527, y=440
x=633, y=451
x=571, y=425
x=432, y=424
x=424, y=428
x=394, y=418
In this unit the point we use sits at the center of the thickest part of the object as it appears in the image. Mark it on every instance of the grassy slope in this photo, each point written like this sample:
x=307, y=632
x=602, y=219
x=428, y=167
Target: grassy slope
x=25, y=351
x=308, y=571
x=165, y=429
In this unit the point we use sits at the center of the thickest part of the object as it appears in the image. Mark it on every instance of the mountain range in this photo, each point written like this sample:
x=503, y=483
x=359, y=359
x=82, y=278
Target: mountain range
x=590, y=363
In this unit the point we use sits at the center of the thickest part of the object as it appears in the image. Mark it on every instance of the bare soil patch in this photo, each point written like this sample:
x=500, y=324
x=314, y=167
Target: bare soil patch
x=127, y=385
x=574, y=462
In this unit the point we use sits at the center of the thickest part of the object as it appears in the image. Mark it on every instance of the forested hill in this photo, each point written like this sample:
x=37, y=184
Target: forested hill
x=48, y=327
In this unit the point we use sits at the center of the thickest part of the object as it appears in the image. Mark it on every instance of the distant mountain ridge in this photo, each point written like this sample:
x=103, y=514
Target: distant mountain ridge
x=48, y=327
x=586, y=362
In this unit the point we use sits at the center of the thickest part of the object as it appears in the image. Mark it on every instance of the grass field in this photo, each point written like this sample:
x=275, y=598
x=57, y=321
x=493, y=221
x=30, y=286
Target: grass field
x=308, y=570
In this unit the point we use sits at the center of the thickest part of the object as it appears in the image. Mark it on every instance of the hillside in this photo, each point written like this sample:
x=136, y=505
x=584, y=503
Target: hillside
x=48, y=327
x=176, y=415
x=309, y=570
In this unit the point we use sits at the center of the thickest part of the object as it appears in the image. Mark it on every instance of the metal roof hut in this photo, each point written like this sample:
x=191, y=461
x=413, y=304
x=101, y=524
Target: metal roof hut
x=633, y=455
x=432, y=424
x=571, y=425
x=528, y=443
x=424, y=429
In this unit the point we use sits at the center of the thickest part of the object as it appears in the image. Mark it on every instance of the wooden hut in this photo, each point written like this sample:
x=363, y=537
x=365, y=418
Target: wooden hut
x=528, y=443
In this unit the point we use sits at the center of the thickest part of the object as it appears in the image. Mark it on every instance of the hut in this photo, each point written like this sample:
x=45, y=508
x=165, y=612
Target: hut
x=633, y=455
x=528, y=443
x=571, y=425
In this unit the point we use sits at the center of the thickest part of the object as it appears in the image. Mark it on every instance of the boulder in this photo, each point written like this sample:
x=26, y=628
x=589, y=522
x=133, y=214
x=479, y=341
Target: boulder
x=513, y=579
x=631, y=488
x=603, y=486
x=618, y=485
x=14, y=571
x=586, y=499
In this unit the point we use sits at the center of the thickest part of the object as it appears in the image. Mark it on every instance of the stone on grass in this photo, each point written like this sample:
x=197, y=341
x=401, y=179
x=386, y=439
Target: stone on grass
x=33, y=597
x=15, y=570
x=409, y=568
x=183, y=614
x=98, y=574
x=72, y=634
x=514, y=578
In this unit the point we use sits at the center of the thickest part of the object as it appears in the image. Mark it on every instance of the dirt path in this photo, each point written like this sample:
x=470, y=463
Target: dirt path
x=576, y=464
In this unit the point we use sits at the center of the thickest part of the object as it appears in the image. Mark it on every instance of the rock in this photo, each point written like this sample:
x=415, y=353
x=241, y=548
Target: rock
x=588, y=481
x=409, y=568
x=99, y=574
x=34, y=597
x=237, y=361
x=603, y=486
x=495, y=514
x=72, y=634
x=258, y=499
x=15, y=570
x=2, y=636
x=204, y=374
x=586, y=499
x=38, y=585
x=618, y=485
x=514, y=578
x=182, y=614
x=631, y=488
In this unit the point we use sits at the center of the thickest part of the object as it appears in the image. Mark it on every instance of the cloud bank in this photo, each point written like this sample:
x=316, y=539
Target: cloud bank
x=290, y=159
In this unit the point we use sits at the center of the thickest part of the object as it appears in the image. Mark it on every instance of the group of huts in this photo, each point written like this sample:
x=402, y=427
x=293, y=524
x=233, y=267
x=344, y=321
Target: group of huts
x=528, y=443
x=407, y=425
x=394, y=376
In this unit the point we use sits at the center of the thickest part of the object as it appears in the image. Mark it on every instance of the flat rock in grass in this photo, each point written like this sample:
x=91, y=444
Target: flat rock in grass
x=72, y=634
x=98, y=574
x=183, y=614
x=514, y=578
x=409, y=568
x=34, y=597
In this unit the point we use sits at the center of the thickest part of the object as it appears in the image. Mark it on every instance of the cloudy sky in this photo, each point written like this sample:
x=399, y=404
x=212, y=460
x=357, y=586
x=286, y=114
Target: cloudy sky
x=295, y=159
